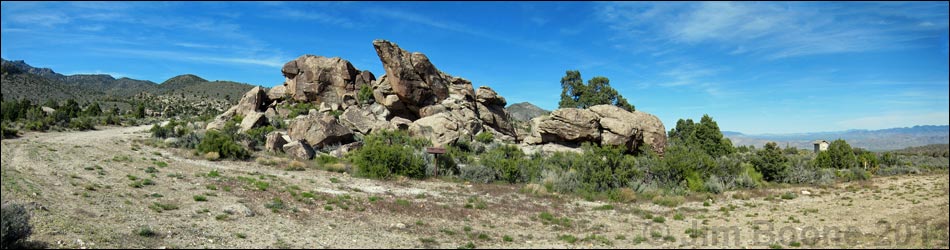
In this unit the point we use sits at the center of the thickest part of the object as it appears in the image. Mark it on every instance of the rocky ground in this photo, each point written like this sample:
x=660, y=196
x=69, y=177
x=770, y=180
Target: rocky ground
x=88, y=190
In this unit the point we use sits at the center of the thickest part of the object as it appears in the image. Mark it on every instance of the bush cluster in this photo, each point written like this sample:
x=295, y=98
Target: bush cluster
x=222, y=144
x=15, y=225
x=386, y=154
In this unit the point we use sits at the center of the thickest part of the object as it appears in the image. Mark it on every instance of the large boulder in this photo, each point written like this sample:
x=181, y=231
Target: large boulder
x=570, y=125
x=601, y=124
x=253, y=101
x=299, y=149
x=320, y=79
x=275, y=142
x=636, y=127
x=411, y=77
x=363, y=120
x=319, y=130
x=277, y=93
x=445, y=128
x=252, y=120
x=491, y=110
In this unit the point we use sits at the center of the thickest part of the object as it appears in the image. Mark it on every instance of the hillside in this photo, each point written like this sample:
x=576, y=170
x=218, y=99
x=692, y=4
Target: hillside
x=20, y=80
x=875, y=140
x=525, y=111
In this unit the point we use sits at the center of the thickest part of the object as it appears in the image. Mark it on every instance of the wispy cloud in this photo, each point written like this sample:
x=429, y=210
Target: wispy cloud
x=42, y=19
x=778, y=30
x=274, y=62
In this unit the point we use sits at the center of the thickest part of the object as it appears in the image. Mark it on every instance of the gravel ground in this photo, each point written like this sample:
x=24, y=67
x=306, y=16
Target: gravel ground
x=80, y=191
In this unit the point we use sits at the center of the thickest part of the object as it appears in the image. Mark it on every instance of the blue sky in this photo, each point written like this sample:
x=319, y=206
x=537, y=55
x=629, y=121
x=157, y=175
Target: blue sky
x=755, y=67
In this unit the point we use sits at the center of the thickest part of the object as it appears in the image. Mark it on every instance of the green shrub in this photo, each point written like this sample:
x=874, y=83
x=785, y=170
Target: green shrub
x=748, y=177
x=259, y=135
x=771, y=162
x=477, y=173
x=365, y=96
x=15, y=225
x=507, y=161
x=8, y=132
x=485, y=137
x=145, y=232
x=223, y=144
x=386, y=154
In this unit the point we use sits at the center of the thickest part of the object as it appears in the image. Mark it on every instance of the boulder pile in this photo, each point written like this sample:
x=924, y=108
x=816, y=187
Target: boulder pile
x=414, y=96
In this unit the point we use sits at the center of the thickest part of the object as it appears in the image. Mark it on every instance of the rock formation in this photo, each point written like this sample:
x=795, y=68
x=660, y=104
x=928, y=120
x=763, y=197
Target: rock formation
x=601, y=124
x=320, y=79
x=415, y=96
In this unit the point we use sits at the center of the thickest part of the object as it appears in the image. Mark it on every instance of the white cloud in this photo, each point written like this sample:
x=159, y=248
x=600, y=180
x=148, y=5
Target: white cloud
x=776, y=29
x=273, y=62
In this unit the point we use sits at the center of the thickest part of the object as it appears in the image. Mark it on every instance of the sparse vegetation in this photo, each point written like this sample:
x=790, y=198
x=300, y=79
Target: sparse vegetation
x=15, y=225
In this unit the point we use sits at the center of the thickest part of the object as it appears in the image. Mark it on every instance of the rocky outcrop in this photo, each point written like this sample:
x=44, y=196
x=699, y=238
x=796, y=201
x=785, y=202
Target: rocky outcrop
x=320, y=79
x=319, y=130
x=413, y=88
x=491, y=109
x=253, y=101
x=630, y=129
x=601, y=124
x=570, y=125
x=411, y=78
x=413, y=95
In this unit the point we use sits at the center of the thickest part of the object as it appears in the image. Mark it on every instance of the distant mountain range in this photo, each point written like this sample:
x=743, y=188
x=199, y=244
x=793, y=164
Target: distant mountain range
x=20, y=80
x=525, y=111
x=874, y=140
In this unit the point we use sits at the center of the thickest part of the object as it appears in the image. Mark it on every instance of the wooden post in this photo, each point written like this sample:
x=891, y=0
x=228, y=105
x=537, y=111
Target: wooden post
x=436, y=151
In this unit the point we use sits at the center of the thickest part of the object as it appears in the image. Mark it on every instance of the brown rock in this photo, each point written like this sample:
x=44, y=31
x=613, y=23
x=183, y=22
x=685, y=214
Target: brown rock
x=277, y=93
x=630, y=129
x=275, y=142
x=570, y=125
x=299, y=150
x=320, y=79
x=319, y=130
x=491, y=110
x=251, y=121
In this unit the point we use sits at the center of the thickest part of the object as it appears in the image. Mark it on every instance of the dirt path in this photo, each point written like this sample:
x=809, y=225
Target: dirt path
x=80, y=188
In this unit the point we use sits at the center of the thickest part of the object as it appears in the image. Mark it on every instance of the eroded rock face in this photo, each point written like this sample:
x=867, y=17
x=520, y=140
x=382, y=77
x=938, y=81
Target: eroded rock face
x=363, y=120
x=411, y=77
x=251, y=121
x=570, y=125
x=254, y=101
x=601, y=124
x=320, y=79
x=638, y=127
x=491, y=110
x=319, y=130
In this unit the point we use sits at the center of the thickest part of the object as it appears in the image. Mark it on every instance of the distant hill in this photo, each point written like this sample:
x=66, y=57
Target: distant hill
x=20, y=80
x=934, y=150
x=874, y=140
x=525, y=111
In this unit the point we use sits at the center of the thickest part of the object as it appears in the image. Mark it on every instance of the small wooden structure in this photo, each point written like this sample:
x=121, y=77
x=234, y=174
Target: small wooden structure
x=436, y=151
x=820, y=145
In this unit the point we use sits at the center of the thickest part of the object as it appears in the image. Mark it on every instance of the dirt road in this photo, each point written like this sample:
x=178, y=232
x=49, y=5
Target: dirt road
x=89, y=189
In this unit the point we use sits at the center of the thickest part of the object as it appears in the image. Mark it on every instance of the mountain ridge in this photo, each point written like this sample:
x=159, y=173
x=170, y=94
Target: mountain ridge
x=19, y=82
x=875, y=140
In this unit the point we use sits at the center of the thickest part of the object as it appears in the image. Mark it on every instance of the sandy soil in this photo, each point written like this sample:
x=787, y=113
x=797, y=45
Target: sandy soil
x=79, y=189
